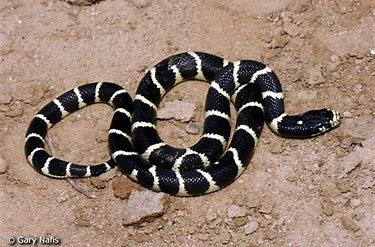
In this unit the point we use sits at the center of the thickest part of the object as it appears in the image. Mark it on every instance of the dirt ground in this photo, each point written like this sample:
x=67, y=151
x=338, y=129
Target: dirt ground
x=315, y=192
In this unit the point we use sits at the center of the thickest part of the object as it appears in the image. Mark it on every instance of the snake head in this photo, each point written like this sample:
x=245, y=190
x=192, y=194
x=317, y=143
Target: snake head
x=317, y=122
x=308, y=124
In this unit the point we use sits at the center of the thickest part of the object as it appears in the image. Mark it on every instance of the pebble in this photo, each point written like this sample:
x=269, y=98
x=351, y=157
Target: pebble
x=343, y=185
x=251, y=227
x=349, y=224
x=3, y=166
x=5, y=97
x=334, y=58
x=236, y=211
x=292, y=29
x=368, y=182
x=62, y=197
x=203, y=236
x=315, y=76
x=270, y=235
x=266, y=208
x=141, y=3
x=99, y=184
x=192, y=128
x=362, y=100
x=329, y=189
x=122, y=187
x=214, y=223
x=144, y=206
x=364, y=155
x=277, y=147
x=16, y=110
x=358, y=88
x=109, y=175
x=143, y=237
x=211, y=215
x=178, y=110
x=327, y=207
x=224, y=237
x=240, y=221
x=355, y=202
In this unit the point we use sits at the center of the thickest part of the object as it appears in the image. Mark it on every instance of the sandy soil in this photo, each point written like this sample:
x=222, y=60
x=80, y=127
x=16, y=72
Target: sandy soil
x=316, y=192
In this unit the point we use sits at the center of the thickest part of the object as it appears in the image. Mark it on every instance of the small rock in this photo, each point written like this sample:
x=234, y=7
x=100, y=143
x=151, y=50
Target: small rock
x=214, y=223
x=251, y=227
x=329, y=189
x=368, y=183
x=109, y=175
x=211, y=215
x=277, y=147
x=292, y=177
x=98, y=183
x=236, y=211
x=269, y=234
x=192, y=128
x=362, y=100
x=142, y=237
x=203, y=236
x=122, y=187
x=347, y=114
x=334, y=58
x=3, y=166
x=355, y=202
x=62, y=197
x=144, y=206
x=267, y=216
x=315, y=76
x=327, y=207
x=5, y=97
x=292, y=29
x=343, y=185
x=266, y=208
x=16, y=110
x=178, y=110
x=240, y=221
x=364, y=155
x=358, y=88
x=279, y=42
x=224, y=237
x=141, y=3
x=349, y=224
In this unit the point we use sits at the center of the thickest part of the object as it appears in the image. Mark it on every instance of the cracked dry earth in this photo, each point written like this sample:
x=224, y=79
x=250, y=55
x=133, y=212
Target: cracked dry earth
x=315, y=192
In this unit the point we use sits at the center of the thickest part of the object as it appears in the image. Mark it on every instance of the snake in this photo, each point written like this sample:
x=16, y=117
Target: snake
x=215, y=160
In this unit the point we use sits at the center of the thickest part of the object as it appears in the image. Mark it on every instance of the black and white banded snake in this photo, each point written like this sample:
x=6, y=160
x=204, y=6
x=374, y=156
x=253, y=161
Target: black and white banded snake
x=139, y=152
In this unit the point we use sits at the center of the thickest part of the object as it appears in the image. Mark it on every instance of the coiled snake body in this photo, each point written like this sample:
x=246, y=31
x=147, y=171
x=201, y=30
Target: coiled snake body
x=139, y=152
